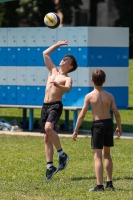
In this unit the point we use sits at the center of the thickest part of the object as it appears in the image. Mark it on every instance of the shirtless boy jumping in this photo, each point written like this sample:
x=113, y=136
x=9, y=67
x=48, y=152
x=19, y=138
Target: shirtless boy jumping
x=58, y=83
x=102, y=129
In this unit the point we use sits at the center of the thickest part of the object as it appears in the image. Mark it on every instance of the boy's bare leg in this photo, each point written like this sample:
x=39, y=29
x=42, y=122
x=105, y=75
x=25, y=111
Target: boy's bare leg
x=98, y=166
x=49, y=150
x=108, y=163
x=52, y=135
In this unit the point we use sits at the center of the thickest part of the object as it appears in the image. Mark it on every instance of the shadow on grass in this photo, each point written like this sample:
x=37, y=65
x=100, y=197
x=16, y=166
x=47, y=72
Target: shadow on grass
x=128, y=178
x=82, y=178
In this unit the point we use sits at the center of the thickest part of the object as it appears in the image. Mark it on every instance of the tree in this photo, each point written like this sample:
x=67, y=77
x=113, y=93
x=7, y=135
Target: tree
x=125, y=9
x=93, y=11
x=8, y=14
x=32, y=12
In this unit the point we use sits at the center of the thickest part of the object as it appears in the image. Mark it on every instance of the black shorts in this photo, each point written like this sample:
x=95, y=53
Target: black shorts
x=51, y=112
x=102, y=134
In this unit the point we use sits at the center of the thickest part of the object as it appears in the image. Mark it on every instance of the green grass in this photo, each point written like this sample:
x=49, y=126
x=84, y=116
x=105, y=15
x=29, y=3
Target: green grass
x=126, y=115
x=22, y=167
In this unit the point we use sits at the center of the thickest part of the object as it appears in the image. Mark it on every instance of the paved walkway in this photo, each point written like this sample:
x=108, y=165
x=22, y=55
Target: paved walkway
x=62, y=134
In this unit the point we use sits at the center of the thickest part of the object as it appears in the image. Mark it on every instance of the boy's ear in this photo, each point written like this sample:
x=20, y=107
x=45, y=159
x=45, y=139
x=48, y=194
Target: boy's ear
x=92, y=80
x=70, y=67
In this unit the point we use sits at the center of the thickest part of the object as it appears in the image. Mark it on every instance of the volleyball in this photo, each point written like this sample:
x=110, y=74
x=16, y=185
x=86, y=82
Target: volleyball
x=51, y=20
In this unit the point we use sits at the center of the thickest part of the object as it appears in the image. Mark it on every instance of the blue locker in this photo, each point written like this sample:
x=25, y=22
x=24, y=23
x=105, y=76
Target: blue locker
x=40, y=95
x=73, y=51
x=40, y=60
x=3, y=56
x=70, y=99
x=53, y=57
x=120, y=94
x=61, y=52
x=83, y=56
x=12, y=56
x=109, y=56
x=3, y=94
x=82, y=91
x=31, y=95
x=21, y=56
x=31, y=56
x=21, y=95
x=11, y=95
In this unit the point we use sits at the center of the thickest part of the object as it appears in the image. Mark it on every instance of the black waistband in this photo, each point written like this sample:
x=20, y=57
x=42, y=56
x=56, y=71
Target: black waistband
x=102, y=120
x=52, y=103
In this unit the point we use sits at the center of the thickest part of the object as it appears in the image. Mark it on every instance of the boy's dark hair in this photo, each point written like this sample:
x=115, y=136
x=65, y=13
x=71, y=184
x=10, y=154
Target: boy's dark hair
x=73, y=63
x=98, y=76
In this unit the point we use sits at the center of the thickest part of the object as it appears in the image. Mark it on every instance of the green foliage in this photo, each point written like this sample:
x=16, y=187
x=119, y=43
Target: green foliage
x=23, y=167
x=8, y=14
x=125, y=9
x=32, y=12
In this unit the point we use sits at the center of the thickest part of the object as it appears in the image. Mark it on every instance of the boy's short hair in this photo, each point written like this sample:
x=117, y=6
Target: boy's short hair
x=73, y=63
x=98, y=76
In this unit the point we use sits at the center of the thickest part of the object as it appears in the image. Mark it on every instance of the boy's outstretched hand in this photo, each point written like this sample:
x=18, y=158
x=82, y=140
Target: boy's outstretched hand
x=62, y=42
x=118, y=131
x=74, y=135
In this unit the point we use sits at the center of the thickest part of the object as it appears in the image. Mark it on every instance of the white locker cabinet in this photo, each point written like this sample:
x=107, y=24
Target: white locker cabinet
x=62, y=34
x=22, y=37
x=11, y=75
x=109, y=37
x=115, y=76
x=83, y=77
x=31, y=37
x=3, y=77
x=74, y=76
x=51, y=36
x=41, y=35
x=72, y=36
x=42, y=75
x=21, y=76
x=31, y=76
x=12, y=37
x=3, y=37
x=83, y=36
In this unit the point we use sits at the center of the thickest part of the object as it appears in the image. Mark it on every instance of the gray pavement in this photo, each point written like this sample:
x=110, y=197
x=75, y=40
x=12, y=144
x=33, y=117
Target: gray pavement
x=85, y=133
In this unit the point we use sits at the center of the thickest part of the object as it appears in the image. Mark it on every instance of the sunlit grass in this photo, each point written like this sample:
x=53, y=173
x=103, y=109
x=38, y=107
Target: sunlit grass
x=22, y=164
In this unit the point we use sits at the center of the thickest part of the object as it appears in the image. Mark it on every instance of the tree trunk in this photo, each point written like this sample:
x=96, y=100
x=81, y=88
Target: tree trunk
x=93, y=12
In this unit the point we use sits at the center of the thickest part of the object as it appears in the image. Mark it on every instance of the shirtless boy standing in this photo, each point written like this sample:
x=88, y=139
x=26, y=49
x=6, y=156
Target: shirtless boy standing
x=58, y=83
x=102, y=129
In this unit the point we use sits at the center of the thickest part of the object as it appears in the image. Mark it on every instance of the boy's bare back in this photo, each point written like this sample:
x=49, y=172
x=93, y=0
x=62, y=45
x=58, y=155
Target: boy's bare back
x=101, y=102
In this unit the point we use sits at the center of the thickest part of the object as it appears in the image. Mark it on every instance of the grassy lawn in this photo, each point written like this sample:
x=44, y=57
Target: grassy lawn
x=126, y=115
x=22, y=166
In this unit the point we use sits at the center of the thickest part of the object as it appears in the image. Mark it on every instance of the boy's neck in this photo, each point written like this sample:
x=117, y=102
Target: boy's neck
x=98, y=87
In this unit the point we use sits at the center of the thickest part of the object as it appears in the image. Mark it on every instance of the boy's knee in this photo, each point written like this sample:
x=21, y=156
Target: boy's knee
x=48, y=128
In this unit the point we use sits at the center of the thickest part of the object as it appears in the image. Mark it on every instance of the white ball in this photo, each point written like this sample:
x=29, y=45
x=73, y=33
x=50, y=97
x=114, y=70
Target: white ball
x=51, y=20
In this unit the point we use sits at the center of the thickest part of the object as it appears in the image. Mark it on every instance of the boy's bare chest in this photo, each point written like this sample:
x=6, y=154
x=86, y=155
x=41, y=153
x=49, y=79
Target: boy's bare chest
x=57, y=78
